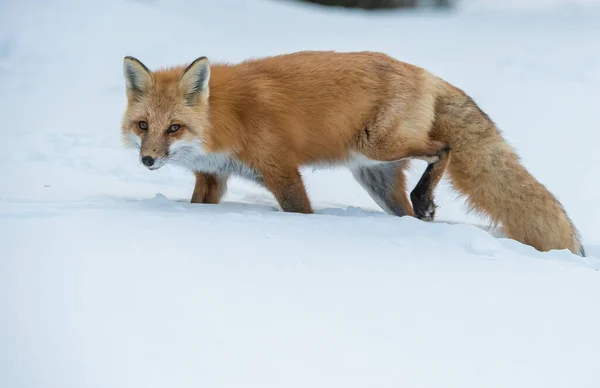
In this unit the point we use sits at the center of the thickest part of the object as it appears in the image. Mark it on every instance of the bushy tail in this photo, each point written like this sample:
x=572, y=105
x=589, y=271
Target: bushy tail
x=488, y=172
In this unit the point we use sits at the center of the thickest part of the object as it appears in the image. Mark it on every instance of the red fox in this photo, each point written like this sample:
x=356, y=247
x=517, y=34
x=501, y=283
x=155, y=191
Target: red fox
x=264, y=119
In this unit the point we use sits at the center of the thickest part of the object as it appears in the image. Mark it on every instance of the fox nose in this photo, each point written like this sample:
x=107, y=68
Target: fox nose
x=148, y=160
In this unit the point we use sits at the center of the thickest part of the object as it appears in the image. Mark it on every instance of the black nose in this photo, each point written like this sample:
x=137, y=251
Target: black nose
x=148, y=160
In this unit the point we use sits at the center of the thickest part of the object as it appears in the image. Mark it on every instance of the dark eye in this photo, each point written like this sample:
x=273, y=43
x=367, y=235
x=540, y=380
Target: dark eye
x=143, y=125
x=173, y=128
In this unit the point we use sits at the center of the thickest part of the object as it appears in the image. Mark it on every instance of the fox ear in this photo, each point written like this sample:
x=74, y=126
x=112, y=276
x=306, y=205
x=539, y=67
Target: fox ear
x=137, y=76
x=194, y=80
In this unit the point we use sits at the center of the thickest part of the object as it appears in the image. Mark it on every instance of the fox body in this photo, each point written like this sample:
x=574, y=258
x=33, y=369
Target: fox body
x=264, y=119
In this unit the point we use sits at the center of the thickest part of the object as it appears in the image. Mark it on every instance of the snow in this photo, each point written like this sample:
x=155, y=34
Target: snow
x=109, y=277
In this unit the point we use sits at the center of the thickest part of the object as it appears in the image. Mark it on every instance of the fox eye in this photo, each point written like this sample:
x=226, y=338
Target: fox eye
x=173, y=128
x=143, y=125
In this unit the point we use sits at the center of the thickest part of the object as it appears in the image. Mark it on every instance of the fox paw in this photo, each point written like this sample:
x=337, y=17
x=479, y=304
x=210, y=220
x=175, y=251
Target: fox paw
x=424, y=208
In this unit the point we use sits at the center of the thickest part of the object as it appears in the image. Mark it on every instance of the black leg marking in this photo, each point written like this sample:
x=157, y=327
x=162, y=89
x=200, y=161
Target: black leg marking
x=422, y=195
x=421, y=198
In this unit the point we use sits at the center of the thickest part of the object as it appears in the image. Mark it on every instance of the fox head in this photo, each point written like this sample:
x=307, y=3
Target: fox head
x=167, y=110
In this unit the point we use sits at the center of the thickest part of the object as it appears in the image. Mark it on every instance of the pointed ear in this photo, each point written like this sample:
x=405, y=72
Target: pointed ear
x=137, y=76
x=194, y=80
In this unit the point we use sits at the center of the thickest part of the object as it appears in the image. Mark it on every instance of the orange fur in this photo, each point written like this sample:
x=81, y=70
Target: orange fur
x=265, y=118
x=209, y=188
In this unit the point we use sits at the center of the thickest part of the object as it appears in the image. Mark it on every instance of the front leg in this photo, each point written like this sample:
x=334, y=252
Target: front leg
x=287, y=187
x=209, y=188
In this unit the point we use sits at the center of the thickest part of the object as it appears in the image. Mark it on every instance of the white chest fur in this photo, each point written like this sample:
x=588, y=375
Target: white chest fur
x=191, y=155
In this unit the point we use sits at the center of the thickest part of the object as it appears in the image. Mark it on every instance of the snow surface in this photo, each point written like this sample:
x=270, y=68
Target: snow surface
x=110, y=278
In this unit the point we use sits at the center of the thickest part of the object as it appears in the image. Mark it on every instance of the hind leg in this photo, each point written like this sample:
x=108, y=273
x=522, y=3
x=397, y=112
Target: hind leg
x=386, y=184
x=382, y=173
x=422, y=195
